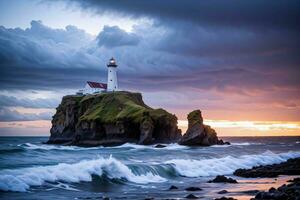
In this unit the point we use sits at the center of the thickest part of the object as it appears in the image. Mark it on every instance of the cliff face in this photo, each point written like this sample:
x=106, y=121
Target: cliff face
x=111, y=119
x=197, y=133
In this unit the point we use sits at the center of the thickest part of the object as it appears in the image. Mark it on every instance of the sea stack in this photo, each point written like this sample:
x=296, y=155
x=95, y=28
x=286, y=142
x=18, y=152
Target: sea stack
x=197, y=133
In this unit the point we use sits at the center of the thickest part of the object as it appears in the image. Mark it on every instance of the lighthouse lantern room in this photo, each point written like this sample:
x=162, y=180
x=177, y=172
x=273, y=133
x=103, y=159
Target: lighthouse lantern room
x=112, y=81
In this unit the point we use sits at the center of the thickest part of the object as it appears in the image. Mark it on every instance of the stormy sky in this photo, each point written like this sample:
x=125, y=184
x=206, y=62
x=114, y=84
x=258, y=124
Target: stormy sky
x=234, y=60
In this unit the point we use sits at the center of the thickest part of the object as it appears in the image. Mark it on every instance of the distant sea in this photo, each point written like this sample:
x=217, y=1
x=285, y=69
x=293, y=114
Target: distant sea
x=32, y=170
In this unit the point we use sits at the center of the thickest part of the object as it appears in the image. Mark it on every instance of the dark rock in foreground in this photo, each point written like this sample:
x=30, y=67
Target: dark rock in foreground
x=193, y=189
x=290, y=167
x=199, y=134
x=111, y=119
x=225, y=198
x=222, y=179
x=191, y=196
x=223, y=192
x=160, y=146
x=173, y=187
x=284, y=192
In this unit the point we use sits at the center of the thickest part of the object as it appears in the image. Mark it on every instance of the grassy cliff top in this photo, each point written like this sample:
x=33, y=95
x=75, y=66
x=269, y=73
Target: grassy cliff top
x=114, y=106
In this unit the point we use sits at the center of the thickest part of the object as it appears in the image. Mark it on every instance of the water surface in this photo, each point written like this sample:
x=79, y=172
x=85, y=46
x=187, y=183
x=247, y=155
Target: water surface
x=32, y=170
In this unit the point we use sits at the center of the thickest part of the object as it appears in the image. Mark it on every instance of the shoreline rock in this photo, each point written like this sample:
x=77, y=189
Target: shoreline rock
x=226, y=198
x=222, y=179
x=193, y=189
x=290, y=191
x=290, y=167
x=199, y=134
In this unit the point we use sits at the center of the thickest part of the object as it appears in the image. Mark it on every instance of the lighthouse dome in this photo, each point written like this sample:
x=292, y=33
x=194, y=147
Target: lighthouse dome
x=112, y=63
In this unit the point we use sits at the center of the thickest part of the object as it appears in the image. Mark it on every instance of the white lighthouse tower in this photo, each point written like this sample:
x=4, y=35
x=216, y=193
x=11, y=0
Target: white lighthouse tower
x=112, y=81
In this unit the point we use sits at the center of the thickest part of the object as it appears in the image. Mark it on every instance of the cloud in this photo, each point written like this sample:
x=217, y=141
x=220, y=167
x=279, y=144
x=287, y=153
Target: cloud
x=179, y=57
x=7, y=115
x=113, y=36
x=10, y=101
x=229, y=14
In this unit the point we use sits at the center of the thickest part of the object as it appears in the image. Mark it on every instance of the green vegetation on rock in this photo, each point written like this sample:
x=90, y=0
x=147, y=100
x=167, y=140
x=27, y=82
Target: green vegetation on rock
x=116, y=106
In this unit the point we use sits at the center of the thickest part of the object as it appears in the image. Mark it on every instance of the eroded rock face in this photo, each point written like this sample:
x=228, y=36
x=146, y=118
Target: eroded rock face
x=111, y=119
x=197, y=133
x=146, y=129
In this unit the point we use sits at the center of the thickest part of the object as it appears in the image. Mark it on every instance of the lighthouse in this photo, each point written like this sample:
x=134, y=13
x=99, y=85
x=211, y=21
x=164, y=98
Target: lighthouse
x=112, y=81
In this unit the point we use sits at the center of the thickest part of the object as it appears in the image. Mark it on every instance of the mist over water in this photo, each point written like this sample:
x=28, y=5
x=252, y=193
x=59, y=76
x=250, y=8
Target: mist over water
x=29, y=168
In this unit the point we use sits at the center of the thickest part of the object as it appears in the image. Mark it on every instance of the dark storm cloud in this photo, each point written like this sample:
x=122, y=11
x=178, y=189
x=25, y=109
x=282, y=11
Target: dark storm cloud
x=113, y=36
x=256, y=14
x=207, y=42
x=249, y=49
x=43, y=58
x=25, y=78
x=7, y=115
x=10, y=101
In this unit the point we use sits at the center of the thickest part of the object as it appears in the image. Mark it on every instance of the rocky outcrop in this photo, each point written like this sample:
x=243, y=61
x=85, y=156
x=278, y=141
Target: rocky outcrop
x=290, y=167
x=289, y=192
x=222, y=179
x=111, y=119
x=197, y=133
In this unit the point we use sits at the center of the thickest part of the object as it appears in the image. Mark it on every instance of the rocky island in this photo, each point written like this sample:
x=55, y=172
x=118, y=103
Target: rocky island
x=119, y=117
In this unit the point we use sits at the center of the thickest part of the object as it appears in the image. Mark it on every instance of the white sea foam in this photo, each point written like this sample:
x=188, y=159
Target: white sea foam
x=244, y=143
x=22, y=179
x=228, y=164
x=172, y=146
x=133, y=146
x=54, y=147
x=219, y=146
x=235, y=144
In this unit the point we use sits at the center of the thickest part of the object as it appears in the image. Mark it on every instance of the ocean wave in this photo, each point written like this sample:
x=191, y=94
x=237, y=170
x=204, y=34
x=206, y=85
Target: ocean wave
x=172, y=146
x=132, y=145
x=244, y=143
x=175, y=146
x=227, y=165
x=31, y=146
x=11, y=150
x=236, y=144
x=22, y=179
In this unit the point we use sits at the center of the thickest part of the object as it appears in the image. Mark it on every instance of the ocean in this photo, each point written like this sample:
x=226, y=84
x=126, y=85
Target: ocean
x=30, y=169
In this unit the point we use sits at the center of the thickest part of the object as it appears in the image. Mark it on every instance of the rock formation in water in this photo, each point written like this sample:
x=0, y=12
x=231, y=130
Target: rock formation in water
x=290, y=167
x=199, y=134
x=111, y=119
x=289, y=191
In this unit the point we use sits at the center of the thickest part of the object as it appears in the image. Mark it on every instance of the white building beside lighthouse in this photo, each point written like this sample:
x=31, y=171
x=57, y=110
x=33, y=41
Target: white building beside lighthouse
x=112, y=81
x=93, y=87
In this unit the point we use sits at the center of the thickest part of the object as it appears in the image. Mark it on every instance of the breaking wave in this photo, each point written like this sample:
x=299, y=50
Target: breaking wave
x=22, y=179
x=137, y=172
x=227, y=165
